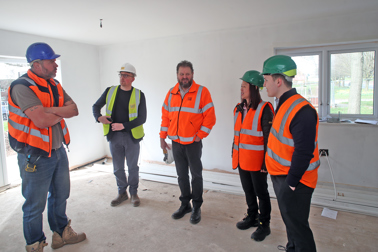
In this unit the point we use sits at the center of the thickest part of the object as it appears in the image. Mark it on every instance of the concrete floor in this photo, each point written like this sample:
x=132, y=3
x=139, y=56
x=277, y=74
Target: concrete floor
x=150, y=227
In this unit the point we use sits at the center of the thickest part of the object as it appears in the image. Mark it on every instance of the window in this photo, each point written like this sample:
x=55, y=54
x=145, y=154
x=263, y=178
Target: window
x=307, y=79
x=338, y=79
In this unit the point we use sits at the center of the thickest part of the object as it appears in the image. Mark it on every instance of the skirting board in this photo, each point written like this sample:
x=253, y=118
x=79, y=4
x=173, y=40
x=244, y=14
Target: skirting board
x=352, y=199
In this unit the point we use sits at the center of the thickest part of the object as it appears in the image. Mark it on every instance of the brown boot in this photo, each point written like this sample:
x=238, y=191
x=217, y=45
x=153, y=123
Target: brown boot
x=120, y=198
x=36, y=247
x=135, y=200
x=69, y=236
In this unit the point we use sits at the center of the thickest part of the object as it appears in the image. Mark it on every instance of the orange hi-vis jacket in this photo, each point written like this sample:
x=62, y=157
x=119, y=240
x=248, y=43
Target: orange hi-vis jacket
x=24, y=136
x=281, y=145
x=185, y=118
x=248, y=148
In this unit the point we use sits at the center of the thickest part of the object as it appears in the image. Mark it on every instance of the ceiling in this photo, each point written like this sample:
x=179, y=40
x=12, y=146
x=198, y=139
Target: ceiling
x=126, y=20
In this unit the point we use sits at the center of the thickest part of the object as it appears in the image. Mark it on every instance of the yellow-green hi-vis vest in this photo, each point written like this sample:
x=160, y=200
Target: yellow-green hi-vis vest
x=137, y=132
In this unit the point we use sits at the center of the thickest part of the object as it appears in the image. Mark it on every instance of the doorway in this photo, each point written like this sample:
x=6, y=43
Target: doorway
x=11, y=68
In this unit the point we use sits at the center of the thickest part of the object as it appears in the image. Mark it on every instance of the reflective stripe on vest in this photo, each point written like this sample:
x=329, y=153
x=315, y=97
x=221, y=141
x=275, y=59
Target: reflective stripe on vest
x=27, y=130
x=195, y=110
x=252, y=132
x=287, y=141
x=24, y=136
x=248, y=147
x=137, y=132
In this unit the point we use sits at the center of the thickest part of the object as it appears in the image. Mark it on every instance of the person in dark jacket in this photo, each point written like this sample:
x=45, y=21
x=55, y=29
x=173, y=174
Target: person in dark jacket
x=292, y=158
x=252, y=122
x=126, y=113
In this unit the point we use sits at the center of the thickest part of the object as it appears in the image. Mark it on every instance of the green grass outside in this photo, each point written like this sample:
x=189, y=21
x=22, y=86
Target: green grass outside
x=343, y=93
x=5, y=126
x=366, y=108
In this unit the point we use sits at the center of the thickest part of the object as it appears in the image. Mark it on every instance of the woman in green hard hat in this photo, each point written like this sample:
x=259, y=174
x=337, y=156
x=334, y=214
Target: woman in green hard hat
x=252, y=122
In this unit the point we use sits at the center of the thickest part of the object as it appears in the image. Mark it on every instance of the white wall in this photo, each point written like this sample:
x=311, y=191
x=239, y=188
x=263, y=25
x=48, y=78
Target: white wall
x=219, y=60
x=80, y=79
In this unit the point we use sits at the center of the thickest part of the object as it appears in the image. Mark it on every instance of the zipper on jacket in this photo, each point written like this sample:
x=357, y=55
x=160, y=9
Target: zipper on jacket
x=178, y=117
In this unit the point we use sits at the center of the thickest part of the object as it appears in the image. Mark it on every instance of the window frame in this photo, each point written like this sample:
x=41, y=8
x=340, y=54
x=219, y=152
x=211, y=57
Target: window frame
x=324, y=51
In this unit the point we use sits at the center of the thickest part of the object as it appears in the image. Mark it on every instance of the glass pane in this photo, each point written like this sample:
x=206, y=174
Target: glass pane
x=352, y=83
x=9, y=71
x=307, y=79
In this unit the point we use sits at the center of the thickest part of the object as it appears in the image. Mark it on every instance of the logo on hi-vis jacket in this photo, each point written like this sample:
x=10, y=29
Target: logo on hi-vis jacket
x=132, y=106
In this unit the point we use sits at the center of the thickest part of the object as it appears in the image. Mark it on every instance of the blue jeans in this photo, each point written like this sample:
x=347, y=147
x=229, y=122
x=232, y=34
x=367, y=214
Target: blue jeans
x=50, y=177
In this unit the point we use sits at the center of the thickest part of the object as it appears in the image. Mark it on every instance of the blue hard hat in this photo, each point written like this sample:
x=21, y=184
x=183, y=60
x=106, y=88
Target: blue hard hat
x=41, y=51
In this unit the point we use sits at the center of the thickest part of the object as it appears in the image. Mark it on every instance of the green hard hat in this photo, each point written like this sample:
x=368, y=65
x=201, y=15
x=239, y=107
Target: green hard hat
x=280, y=64
x=253, y=77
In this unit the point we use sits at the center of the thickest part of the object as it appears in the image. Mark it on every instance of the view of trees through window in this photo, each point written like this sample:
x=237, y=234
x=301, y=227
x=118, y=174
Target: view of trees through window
x=352, y=83
x=338, y=79
x=306, y=81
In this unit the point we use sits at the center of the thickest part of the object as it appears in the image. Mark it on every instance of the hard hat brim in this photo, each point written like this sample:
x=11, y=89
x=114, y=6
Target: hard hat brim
x=55, y=56
x=127, y=72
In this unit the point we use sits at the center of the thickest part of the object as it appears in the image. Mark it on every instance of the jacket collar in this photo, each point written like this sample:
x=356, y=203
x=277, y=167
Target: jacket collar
x=286, y=96
x=40, y=81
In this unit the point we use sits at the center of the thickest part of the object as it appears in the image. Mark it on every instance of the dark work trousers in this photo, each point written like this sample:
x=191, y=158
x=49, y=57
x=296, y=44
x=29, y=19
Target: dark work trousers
x=255, y=186
x=295, y=210
x=188, y=156
x=122, y=146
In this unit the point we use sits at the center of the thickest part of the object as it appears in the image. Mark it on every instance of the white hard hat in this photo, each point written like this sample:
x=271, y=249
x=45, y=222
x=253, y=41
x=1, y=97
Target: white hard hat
x=127, y=67
x=168, y=156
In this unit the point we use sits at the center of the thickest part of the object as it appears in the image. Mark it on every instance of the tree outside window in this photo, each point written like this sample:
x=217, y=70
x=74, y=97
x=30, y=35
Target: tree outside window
x=352, y=83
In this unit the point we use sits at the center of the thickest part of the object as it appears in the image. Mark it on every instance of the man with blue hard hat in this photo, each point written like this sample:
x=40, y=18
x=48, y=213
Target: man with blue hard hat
x=38, y=105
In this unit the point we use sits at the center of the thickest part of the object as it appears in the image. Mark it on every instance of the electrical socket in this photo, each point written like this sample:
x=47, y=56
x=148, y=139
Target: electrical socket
x=323, y=152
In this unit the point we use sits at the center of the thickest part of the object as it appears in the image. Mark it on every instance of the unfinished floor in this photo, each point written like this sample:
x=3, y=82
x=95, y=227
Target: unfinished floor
x=150, y=227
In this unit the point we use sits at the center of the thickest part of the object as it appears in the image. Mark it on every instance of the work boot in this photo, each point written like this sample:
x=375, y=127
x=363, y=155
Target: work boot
x=184, y=209
x=196, y=215
x=247, y=222
x=262, y=231
x=135, y=200
x=69, y=236
x=36, y=247
x=120, y=198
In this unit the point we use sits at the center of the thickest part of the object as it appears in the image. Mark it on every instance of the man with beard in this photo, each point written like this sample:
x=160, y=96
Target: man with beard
x=38, y=105
x=188, y=116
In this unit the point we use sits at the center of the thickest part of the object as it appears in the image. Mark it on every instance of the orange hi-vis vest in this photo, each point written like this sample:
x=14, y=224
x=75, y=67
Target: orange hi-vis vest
x=185, y=118
x=24, y=136
x=281, y=145
x=248, y=148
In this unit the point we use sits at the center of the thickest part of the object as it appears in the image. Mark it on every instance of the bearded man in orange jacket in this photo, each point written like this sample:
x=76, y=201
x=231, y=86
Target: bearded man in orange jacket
x=188, y=116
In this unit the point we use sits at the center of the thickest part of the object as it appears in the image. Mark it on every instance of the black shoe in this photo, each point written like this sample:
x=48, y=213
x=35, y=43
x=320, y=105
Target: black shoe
x=262, y=231
x=196, y=216
x=184, y=209
x=120, y=198
x=247, y=222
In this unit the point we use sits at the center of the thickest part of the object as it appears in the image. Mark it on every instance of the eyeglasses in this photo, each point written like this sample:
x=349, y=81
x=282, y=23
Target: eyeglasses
x=125, y=75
